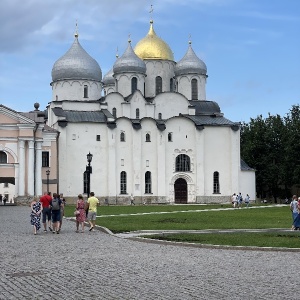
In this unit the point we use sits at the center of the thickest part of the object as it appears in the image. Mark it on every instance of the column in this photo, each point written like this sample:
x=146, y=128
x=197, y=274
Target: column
x=21, y=146
x=38, y=169
x=16, y=180
x=30, y=169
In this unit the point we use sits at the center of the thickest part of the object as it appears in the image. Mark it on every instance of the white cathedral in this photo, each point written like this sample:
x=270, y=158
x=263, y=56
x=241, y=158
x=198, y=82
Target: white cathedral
x=147, y=123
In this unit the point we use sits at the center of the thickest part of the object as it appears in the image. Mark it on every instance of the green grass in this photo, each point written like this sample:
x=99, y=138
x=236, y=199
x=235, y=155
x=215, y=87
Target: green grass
x=115, y=219
x=263, y=239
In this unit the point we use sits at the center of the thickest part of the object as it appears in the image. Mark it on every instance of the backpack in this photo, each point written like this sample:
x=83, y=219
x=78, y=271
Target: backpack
x=55, y=204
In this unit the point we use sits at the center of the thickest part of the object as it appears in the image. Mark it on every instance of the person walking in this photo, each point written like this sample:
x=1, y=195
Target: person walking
x=132, y=200
x=35, y=215
x=46, y=213
x=55, y=205
x=247, y=200
x=62, y=209
x=92, y=202
x=233, y=200
x=80, y=216
x=294, y=210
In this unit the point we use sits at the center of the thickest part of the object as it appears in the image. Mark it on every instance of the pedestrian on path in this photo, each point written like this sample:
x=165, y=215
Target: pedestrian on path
x=93, y=202
x=247, y=200
x=295, y=212
x=35, y=214
x=45, y=200
x=80, y=217
x=62, y=209
x=55, y=205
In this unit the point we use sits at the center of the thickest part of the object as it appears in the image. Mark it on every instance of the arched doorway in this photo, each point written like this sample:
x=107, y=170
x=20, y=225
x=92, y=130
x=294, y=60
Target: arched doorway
x=180, y=191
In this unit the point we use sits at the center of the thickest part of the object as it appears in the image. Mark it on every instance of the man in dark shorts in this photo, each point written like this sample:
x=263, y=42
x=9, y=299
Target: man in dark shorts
x=45, y=200
x=55, y=205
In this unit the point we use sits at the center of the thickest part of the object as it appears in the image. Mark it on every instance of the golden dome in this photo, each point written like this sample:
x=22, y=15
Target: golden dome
x=153, y=47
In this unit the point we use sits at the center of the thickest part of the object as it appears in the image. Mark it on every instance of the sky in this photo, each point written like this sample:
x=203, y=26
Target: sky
x=251, y=48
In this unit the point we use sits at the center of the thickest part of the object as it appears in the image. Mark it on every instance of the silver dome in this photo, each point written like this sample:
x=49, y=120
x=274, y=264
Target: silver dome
x=108, y=78
x=76, y=64
x=190, y=64
x=129, y=62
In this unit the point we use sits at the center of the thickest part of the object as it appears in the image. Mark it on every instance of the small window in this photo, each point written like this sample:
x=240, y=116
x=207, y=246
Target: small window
x=98, y=138
x=122, y=136
x=148, y=139
x=170, y=137
x=85, y=92
x=158, y=85
x=45, y=159
x=114, y=112
x=137, y=113
x=123, y=182
x=171, y=85
x=133, y=84
x=216, y=183
x=6, y=184
x=183, y=163
x=3, y=157
x=148, y=184
x=194, y=89
x=159, y=116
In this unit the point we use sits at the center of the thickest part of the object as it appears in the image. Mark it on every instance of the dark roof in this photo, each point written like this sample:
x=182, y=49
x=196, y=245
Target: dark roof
x=204, y=107
x=245, y=167
x=210, y=120
x=80, y=116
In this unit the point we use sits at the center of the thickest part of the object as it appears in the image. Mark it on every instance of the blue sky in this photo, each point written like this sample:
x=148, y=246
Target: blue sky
x=251, y=48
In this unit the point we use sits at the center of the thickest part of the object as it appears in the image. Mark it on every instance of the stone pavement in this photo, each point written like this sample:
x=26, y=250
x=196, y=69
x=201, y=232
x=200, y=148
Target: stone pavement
x=95, y=265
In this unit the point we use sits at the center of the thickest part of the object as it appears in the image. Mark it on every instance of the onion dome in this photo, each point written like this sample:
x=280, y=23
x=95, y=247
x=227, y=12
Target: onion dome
x=108, y=78
x=153, y=47
x=76, y=64
x=190, y=64
x=129, y=62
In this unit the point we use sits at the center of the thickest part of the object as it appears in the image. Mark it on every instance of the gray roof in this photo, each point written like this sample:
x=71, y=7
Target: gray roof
x=108, y=78
x=190, y=64
x=80, y=116
x=210, y=120
x=245, y=167
x=204, y=107
x=76, y=64
x=129, y=62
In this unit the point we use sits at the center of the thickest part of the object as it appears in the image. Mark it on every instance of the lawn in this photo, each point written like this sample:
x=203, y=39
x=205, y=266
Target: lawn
x=198, y=217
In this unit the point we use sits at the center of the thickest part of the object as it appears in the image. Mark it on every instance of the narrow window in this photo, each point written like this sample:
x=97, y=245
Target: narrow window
x=137, y=113
x=158, y=85
x=45, y=159
x=123, y=183
x=6, y=184
x=148, y=184
x=170, y=136
x=3, y=157
x=122, y=136
x=171, y=85
x=183, y=163
x=133, y=84
x=194, y=89
x=159, y=116
x=98, y=138
x=114, y=112
x=85, y=92
x=148, y=137
x=216, y=183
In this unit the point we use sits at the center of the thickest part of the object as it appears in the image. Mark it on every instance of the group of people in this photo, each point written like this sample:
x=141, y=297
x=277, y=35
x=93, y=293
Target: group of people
x=3, y=199
x=51, y=210
x=295, y=208
x=237, y=200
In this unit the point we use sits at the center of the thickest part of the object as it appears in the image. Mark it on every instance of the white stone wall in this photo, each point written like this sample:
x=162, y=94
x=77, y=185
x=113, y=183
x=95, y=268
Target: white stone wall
x=184, y=86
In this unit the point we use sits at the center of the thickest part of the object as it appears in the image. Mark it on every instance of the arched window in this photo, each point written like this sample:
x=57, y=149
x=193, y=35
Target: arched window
x=137, y=113
x=158, y=85
x=183, y=163
x=122, y=136
x=133, y=84
x=170, y=137
x=194, y=89
x=148, y=184
x=3, y=157
x=216, y=183
x=85, y=92
x=159, y=116
x=123, y=183
x=114, y=112
x=148, y=139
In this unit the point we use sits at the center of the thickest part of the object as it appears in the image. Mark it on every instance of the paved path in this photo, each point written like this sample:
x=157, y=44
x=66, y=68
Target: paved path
x=95, y=265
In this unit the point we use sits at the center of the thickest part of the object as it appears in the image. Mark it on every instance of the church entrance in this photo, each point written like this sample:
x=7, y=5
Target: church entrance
x=180, y=191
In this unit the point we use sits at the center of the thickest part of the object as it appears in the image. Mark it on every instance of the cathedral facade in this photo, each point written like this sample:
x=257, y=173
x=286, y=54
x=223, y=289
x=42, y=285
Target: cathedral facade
x=147, y=123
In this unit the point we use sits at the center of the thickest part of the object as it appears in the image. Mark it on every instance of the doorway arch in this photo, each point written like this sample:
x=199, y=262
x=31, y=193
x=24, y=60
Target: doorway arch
x=180, y=191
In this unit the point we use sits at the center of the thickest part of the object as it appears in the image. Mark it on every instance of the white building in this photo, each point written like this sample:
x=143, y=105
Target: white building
x=153, y=134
